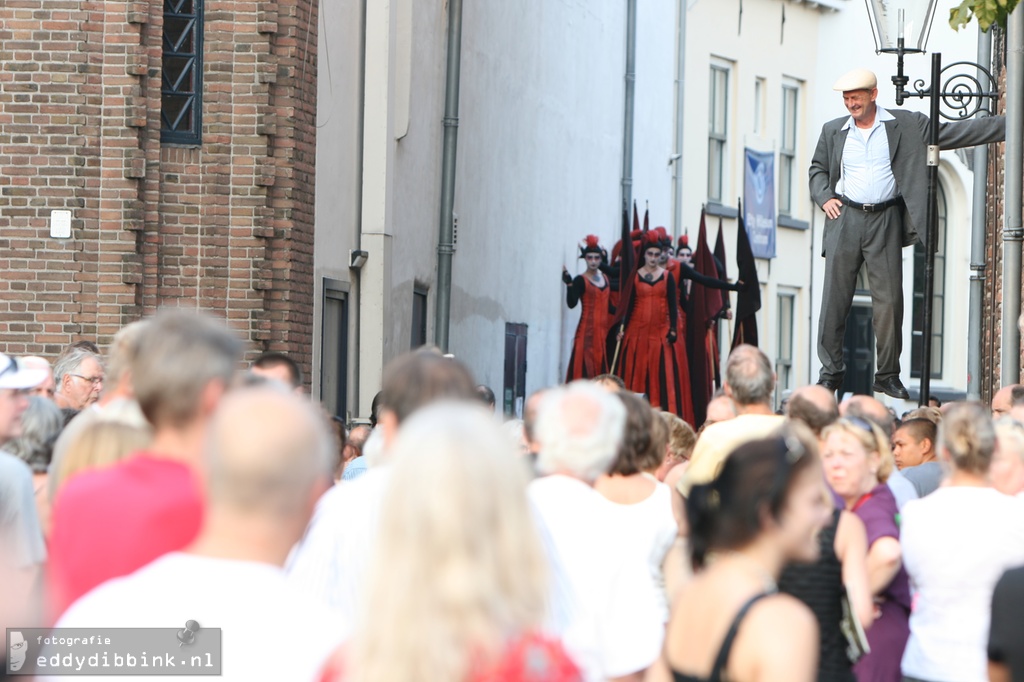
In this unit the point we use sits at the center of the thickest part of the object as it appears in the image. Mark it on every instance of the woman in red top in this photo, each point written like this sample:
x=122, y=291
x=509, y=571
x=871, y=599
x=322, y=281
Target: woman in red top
x=589, y=357
x=648, y=362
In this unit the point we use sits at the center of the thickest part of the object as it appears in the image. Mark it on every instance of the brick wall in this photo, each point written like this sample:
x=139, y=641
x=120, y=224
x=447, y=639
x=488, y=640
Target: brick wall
x=226, y=227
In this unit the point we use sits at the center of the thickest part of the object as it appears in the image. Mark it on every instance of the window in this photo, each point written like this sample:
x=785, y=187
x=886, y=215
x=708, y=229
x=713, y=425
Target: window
x=938, y=297
x=419, y=318
x=514, y=395
x=334, y=349
x=787, y=150
x=784, y=354
x=717, y=136
x=181, y=101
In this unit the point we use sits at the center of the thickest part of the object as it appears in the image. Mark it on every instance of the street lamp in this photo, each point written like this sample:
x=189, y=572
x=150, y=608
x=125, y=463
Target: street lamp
x=902, y=27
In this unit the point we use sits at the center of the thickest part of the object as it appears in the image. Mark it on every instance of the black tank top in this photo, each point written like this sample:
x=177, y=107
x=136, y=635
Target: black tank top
x=820, y=586
x=722, y=660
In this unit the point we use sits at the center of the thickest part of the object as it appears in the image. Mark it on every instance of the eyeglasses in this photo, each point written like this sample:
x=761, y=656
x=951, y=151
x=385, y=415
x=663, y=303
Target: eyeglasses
x=862, y=424
x=95, y=381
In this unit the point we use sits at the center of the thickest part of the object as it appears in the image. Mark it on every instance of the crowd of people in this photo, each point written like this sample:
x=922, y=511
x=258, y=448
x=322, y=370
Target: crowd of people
x=601, y=538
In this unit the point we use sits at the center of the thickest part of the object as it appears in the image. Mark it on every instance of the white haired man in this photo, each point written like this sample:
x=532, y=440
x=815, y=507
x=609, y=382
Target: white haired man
x=615, y=632
x=78, y=376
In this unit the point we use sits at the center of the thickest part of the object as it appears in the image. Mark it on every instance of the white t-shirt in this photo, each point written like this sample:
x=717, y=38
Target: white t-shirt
x=956, y=543
x=618, y=628
x=330, y=562
x=649, y=529
x=269, y=631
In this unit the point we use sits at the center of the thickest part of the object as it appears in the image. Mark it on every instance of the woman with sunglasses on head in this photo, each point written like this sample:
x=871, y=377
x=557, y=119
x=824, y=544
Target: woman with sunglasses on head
x=763, y=511
x=957, y=542
x=857, y=462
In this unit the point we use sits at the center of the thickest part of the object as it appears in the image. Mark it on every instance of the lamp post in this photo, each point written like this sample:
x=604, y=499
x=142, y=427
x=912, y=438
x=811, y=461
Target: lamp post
x=902, y=27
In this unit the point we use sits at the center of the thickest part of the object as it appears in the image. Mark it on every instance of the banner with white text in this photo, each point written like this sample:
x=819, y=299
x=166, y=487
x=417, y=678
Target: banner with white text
x=759, y=201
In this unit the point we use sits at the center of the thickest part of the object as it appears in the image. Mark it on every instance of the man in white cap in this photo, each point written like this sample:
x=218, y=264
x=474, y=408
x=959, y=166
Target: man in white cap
x=22, y=550
x=868, y=176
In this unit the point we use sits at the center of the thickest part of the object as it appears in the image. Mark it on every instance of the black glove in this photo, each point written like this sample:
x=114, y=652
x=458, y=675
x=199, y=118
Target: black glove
x=566, y=277
x=671, y=335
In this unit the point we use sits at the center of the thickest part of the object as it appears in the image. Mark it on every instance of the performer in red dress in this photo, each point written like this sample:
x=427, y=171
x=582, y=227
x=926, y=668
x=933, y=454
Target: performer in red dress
x=592, y=288
x=648, y=362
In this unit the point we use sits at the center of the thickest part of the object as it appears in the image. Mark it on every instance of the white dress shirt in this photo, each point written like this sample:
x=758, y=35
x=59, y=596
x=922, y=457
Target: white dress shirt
x=866, y=176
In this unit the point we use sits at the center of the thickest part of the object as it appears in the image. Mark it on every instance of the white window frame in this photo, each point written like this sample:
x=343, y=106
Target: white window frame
x=718, y=129
x=788, y=146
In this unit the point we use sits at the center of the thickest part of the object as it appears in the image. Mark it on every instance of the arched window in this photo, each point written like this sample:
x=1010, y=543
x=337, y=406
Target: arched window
x=938, y=298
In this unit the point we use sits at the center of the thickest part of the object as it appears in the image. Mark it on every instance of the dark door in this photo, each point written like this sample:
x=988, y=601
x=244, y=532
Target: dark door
x=334, y=353
x=515, y=370
x=859, y=351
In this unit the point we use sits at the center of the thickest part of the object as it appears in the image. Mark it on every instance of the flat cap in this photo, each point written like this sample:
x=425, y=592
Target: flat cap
x=858, y=79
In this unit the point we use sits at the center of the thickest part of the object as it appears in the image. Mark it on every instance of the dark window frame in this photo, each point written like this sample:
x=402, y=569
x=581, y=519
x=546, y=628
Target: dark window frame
x=938, y=296
x=191, y=88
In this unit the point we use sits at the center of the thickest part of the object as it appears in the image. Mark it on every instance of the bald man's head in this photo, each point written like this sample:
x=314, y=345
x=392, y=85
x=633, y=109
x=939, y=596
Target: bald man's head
x=268, y=453
x=749, y=379
x=1002, y=401
x=814, y=405
x=866, y=407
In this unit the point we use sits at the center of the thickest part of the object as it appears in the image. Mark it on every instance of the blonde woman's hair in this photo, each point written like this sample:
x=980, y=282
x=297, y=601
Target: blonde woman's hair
x=97, y=446
x=681, y=437
x=967, y=438
x=871, y=437
x=458, y=565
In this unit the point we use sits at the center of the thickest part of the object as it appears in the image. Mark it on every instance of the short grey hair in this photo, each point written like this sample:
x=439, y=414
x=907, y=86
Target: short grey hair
x=749, y=375
x=41, y=423
x=580, y=429
x=69, y=362
x=180, y=353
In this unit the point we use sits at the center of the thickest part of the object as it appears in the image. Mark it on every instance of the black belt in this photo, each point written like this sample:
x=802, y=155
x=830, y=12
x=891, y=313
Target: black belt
x=871, y=208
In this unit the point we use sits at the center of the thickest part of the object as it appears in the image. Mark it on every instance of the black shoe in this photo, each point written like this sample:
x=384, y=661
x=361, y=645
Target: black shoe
x=892, y=387
x=831, y=384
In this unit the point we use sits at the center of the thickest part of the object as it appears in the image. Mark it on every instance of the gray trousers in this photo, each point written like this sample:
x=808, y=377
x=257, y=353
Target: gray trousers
x=853, y=239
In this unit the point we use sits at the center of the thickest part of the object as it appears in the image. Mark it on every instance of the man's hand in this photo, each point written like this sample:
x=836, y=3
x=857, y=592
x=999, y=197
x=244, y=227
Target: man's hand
x=832, y=207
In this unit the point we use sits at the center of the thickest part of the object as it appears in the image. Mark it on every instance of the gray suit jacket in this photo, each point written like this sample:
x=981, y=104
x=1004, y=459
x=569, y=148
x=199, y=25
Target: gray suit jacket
x=908, y=150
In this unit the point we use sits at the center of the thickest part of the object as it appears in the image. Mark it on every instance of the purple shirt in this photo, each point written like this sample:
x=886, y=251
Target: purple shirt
x=889, y=633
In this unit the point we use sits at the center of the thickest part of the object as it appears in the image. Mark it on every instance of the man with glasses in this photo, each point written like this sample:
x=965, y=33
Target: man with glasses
x=79, y=378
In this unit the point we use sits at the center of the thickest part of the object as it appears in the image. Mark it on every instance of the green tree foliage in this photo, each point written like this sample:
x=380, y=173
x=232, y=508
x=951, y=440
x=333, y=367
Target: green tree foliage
x=988, y=12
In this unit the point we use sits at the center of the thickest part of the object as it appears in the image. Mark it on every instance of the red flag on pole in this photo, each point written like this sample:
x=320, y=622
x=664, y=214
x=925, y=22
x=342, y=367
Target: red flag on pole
x=707, y=303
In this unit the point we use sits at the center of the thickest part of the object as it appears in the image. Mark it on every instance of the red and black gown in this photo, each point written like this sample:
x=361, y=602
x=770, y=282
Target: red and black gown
x=588, y=358
x=649, y=362
x=680, y=348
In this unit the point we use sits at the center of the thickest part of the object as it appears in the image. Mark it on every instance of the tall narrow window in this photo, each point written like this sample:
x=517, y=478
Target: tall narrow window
x=718, y=132
x=938, y=297
x=787, y=150
x=784, y=354
x=419, y=318
x=181, y=102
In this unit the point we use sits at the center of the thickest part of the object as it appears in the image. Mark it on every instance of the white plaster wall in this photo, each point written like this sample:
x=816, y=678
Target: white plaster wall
x=539, y=164
x=339, y=104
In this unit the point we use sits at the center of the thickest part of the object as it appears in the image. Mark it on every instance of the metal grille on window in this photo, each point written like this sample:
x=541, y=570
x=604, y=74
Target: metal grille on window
x=181, y=88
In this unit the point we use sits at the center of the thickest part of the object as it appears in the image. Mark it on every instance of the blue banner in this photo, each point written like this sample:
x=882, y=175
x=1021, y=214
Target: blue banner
x=759, y=201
